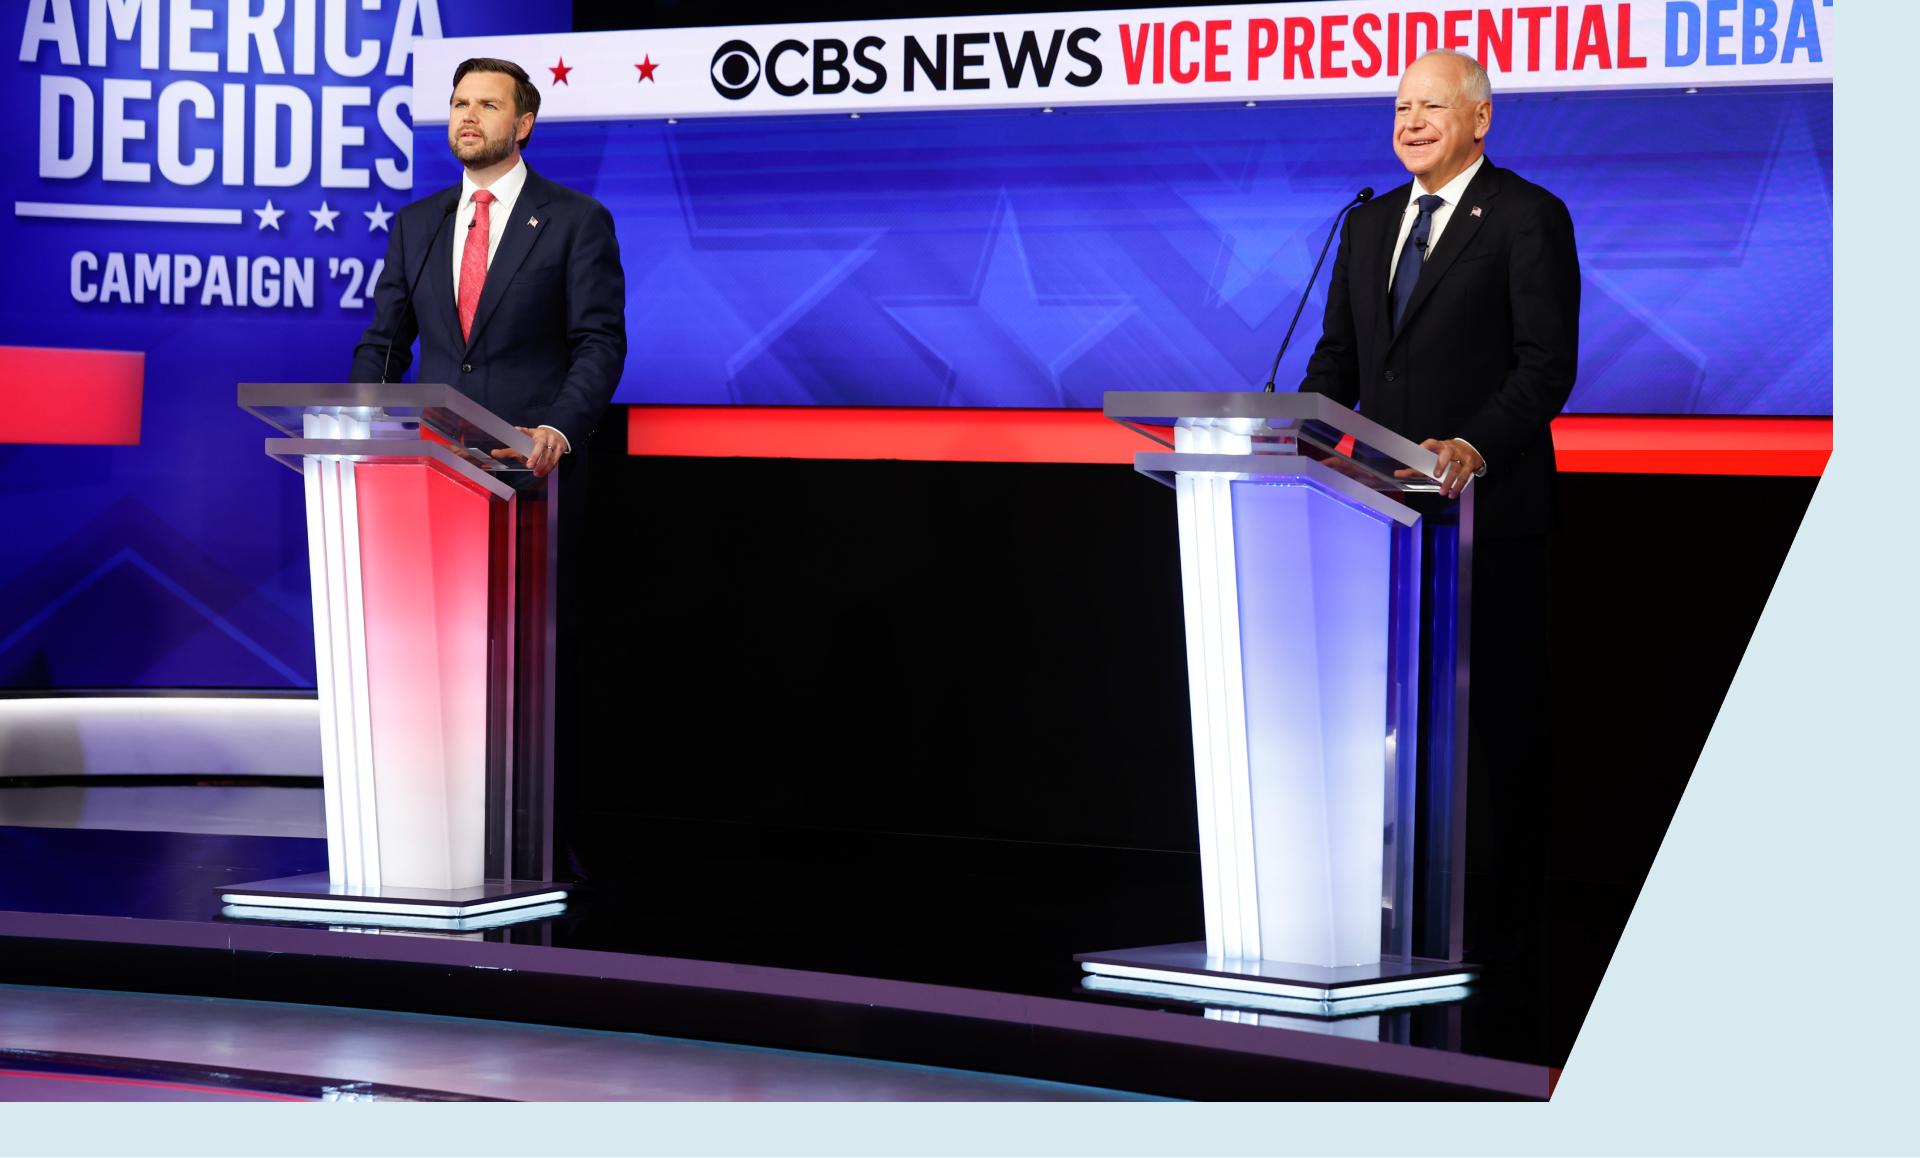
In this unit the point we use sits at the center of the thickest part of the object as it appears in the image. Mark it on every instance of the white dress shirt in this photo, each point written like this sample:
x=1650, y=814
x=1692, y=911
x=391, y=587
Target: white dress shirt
x=1449, y=195
x=505, y=192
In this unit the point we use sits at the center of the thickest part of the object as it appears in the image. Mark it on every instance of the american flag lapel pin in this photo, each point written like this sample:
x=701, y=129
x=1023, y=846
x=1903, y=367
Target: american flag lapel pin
x=1476, y=211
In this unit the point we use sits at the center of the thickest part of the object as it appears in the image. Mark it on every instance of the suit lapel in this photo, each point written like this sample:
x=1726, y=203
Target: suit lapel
x=1462, y=224
x=516, y=241
x=439, y=279
x=1382, y=259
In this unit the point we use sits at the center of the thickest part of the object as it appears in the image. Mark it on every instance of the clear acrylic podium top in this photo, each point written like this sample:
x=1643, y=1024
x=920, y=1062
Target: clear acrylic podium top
x=391, y=413
x=1229, y=425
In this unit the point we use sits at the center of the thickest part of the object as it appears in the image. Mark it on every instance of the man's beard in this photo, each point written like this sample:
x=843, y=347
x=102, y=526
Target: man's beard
x=488, y=152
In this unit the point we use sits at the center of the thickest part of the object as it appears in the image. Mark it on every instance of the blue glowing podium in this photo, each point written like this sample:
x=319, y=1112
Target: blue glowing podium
x=1326, y=606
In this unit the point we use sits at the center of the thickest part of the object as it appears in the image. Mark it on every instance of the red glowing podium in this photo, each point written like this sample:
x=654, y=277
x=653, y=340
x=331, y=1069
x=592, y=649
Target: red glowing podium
x=433, y=567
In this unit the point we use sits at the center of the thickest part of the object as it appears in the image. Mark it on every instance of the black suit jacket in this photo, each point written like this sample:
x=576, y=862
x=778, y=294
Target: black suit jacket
x=549, y=336
x=1487, y=348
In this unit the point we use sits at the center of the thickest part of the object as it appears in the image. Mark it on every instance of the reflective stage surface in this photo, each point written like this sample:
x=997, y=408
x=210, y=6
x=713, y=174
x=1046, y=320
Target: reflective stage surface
x=89, y=1045
x=854, y=946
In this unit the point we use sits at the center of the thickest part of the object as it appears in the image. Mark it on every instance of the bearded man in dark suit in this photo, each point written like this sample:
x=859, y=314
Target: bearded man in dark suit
x=1453, y=318
x=513, y=287
x=520, y=302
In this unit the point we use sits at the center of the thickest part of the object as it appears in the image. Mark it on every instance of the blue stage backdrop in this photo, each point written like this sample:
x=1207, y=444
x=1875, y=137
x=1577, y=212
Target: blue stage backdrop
x=234, y=183
x=213, y=199
x=1034, y=259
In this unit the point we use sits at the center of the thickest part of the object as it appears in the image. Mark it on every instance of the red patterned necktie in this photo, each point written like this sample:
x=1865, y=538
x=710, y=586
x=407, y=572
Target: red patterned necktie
x=473, y=261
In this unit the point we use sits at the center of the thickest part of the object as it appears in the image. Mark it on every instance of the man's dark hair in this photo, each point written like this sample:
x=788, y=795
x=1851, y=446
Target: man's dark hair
x=526, y=98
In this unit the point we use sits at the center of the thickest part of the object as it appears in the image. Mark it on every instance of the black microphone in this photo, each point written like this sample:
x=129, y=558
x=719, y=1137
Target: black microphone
x=386, y=362
x=1360, y=198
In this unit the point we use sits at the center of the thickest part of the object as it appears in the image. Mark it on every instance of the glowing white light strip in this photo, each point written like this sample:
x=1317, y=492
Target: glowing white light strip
x=364, y=797
x=1221, y=777
x=1275, y=1003
x=1219, y=817
x=339, y=904
x=1200, y=703
x=323, y=672
x=77, y=707
x=1244, y=984
x=350, y=871
x=72, y=211
x=371, y=922
x=1239, y=767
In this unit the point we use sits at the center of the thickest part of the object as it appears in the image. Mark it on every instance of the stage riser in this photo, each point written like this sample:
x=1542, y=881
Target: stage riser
x=1172, y=1062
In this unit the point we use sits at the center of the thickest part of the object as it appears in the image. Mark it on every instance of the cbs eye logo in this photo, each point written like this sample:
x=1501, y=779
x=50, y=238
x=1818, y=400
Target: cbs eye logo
x=736, y=69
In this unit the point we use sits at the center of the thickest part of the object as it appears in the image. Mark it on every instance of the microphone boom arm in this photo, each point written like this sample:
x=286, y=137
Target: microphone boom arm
x=1360, y=198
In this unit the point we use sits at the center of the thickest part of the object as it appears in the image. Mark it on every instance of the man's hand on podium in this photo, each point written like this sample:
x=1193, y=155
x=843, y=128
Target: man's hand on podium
x=1458, y=465
x=548, y=446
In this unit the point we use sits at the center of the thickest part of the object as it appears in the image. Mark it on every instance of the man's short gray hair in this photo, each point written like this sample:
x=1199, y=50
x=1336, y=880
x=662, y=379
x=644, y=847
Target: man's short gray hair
x=1475, y=84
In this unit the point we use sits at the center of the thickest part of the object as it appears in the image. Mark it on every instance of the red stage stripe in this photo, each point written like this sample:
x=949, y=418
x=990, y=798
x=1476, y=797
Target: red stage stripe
x=1644, y=445
x=1746, y=446
x=70, y=397
x=936, y=434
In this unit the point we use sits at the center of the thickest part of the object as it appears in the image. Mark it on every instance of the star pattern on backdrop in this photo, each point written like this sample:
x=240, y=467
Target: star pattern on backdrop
x=377, y=217
x=646, y=67
x=684, y=287
x=128, y=568
x=323, y=217
x=1004, y=312
x=269, y=217
x=1690, y=344
x=1268, y=230
x=560, y=71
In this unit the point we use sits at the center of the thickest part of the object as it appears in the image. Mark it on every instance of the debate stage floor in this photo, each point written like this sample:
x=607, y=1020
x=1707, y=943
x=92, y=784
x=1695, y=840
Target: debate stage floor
x=770, y=950
x=95, y=1045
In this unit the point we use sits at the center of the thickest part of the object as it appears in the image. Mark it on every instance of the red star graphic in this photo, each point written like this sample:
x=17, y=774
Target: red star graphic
x=560, y=71
x=646, y=67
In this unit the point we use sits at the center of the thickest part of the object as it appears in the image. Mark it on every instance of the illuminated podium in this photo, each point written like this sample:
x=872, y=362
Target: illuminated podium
x=1326, y=626
x=433, y=569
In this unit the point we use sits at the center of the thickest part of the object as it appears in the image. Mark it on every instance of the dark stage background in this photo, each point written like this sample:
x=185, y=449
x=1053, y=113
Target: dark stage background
x=874, y=711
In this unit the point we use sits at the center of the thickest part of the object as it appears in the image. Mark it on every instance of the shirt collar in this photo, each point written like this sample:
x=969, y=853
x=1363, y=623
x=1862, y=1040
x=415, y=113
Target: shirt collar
x=1453, y=190
x=505, y=191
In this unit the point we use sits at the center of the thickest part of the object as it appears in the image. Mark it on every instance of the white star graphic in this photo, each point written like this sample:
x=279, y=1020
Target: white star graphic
x=269, y=217
x=323, y=217
x=377, y=218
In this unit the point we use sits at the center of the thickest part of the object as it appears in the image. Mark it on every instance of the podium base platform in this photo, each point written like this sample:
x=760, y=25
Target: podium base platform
x=1185, y=972
x=312, y=899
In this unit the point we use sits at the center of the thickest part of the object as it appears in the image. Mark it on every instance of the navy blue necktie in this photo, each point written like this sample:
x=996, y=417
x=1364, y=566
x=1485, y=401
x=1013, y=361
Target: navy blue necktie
x=1406, y=275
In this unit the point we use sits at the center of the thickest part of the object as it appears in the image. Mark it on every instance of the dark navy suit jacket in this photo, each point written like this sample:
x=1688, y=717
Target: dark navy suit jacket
x=1487, y=348
x=549, y=337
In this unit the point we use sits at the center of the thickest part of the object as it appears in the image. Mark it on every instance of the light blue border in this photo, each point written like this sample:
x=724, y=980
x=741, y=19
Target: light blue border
x=1758, y=1002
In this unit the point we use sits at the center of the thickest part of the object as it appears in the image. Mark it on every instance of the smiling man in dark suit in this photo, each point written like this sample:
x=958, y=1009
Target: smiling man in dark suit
x=1454, y=308
x=1453, y=318
x=520, y=301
